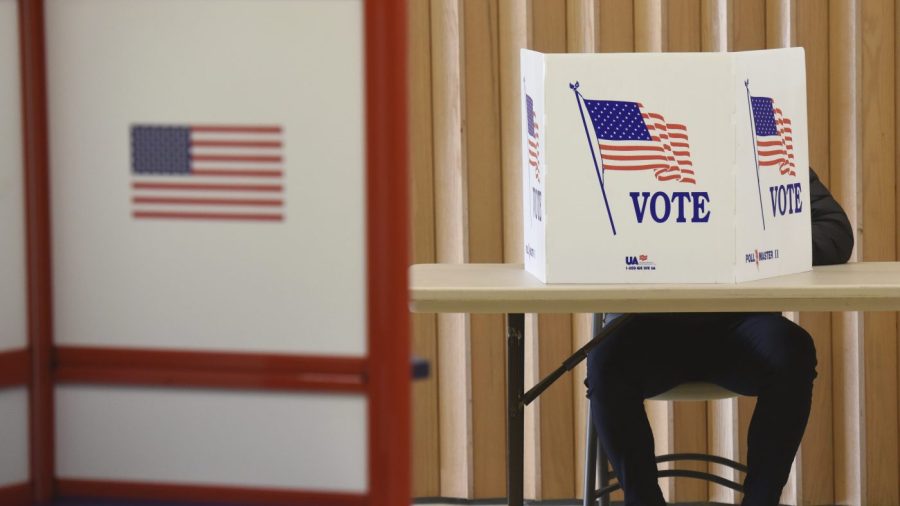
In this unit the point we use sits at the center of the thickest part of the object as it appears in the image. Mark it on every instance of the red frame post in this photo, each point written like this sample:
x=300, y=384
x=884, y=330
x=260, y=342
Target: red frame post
x=389, y=348
x=37, y=230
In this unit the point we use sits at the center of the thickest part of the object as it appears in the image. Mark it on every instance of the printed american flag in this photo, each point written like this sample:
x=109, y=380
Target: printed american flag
x=207, y=172
x=631, y=138
x=534, y=144
x=774, y=136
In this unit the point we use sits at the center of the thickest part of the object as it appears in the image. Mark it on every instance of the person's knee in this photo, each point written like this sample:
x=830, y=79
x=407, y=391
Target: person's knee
x=795, y=355
x=604, y=371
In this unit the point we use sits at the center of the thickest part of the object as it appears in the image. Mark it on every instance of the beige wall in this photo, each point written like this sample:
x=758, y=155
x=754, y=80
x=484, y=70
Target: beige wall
x=465, y=201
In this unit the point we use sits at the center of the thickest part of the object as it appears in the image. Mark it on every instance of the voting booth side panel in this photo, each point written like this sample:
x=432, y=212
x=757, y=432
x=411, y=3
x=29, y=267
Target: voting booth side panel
x=229, y=250
x=14, y=355
x=638, y=181
x=771, y=164
x=534, y=163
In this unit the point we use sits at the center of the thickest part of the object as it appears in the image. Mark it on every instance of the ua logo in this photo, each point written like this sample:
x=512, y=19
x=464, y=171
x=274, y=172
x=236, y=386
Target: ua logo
x=629, y=260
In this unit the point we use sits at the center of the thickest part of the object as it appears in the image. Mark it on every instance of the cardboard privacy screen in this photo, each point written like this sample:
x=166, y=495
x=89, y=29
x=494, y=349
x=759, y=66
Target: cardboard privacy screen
x=665, y=168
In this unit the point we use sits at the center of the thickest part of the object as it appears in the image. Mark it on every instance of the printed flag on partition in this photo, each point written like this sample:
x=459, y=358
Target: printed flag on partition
x=534, y=139
x=774, y=136
x=207, y=172
x=630, y=138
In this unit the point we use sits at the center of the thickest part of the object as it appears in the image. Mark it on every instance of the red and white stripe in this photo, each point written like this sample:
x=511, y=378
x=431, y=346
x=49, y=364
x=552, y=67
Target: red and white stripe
x=667, y=153
x=778, y=151
x=237, y=175
x=534, y=150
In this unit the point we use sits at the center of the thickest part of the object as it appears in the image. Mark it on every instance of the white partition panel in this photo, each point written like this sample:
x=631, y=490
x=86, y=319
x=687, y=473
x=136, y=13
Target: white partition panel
x=13, y=436
x=276, y=440
x=254, y=246
x=13, y=329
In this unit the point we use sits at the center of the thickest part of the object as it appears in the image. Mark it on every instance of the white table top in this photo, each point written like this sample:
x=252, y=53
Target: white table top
x=507, y=288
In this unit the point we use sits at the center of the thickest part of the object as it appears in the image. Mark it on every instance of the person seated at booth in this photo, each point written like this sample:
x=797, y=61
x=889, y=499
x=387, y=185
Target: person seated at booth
x=755, y=354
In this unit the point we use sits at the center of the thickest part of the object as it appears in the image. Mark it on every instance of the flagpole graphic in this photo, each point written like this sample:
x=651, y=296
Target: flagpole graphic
x=755, y=156
x=578, y=100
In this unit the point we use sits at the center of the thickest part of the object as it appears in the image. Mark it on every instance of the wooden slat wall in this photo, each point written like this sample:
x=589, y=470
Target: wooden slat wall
x=815, y=477
x=465, y=152
x=581, y=21
x=451, y=246
x=485, y=221
x=877, y=237
x=845, y=106
x=553, y=431
x=426, y=441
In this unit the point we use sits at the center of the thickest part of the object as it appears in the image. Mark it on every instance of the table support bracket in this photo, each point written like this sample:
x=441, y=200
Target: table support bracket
x=573, y=360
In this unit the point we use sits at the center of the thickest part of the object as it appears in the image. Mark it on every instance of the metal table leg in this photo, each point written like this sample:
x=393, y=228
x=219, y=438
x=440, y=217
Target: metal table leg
x=515, y=388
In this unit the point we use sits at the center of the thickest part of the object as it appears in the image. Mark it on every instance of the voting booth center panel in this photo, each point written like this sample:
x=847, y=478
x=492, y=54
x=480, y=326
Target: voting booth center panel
x=210, y=304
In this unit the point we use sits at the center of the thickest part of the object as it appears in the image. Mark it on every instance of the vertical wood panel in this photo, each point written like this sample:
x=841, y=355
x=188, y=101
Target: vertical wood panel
x=451, y=246
x=683, y=25
x=649, y=26
x=532, y=461
x=426, y=456
x=779, y=32
x=513, y=37
x=548, y=26
x=615, y=26
x=580, y=29
x=557, y=441
x=844, y=112
x=581, y=38
x=554, y=439
x=485, y=228
x=845, y=106
x=714, y=25
x=816, y=456
x=896, y=364
x=878, y=238
x=722, y=440
x=748, y=24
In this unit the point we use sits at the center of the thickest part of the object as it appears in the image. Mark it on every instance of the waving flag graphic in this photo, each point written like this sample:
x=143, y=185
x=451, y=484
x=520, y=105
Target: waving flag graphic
x=630, y=138
x=774, y=136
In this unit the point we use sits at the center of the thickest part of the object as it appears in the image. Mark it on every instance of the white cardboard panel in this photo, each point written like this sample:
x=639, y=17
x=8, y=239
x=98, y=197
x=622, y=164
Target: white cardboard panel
x=295, y=286
x=277, y=440
x=13, y=436
x=12, y=220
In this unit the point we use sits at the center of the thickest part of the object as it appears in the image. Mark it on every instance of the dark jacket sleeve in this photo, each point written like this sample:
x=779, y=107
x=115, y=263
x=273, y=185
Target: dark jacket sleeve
x=832, y=235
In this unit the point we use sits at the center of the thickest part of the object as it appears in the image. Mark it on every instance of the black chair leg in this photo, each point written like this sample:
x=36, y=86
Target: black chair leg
x=590, y=462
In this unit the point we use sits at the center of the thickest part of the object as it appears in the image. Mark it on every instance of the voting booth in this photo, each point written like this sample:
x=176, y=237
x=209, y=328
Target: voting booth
x=219, y=284
x=665, y=168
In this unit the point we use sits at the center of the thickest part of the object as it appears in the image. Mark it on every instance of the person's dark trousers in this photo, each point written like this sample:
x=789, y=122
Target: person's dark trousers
x=754, y=354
